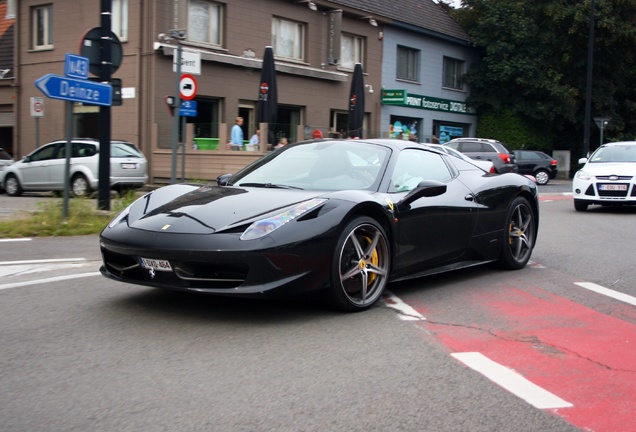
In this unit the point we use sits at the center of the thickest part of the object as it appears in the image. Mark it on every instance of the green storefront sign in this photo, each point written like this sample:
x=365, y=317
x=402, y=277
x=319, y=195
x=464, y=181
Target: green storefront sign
x=403, y=98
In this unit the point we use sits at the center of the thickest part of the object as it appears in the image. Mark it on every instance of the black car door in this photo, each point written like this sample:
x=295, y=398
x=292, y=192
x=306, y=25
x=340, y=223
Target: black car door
x=431, y=230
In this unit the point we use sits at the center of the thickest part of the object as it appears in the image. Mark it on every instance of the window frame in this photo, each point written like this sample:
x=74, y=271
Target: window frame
x=298, y=40
x=119, y=19
x=358, y=47
x=412, y=72
x=46, y=26
x=452, y=75
x=215, y=24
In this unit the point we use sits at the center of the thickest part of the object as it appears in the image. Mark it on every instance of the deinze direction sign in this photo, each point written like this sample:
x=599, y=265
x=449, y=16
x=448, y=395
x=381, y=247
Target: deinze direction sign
x=69, y=88
x=75, y=90
x=403, y=98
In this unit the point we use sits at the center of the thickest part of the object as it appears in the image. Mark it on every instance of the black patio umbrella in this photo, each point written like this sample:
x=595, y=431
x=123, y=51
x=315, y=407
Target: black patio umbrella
x=268, y=95
x=356, y=104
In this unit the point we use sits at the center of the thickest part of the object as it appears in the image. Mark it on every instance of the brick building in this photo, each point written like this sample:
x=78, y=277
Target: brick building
x=316, y=44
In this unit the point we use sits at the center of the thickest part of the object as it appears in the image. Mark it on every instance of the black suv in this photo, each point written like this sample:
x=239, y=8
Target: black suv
x=542, y=166
x=486, y=149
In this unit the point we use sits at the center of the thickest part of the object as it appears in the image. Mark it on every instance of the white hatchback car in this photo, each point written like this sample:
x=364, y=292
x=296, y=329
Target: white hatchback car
x=608, y=176
x=43, y=169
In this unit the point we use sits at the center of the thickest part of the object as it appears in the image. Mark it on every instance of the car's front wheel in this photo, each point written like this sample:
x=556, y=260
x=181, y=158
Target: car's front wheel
x=542, y=176
x=360, y=266
x=520, y=235
x=80, y=185
x=580, y=205
x=12, y=185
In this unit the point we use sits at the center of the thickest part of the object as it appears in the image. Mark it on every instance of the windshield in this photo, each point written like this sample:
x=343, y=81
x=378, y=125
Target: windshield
x=622, y=153
x=124, y=149
x=326, y=165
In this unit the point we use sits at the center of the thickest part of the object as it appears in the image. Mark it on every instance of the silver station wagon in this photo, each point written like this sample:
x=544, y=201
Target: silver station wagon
x=43, y=169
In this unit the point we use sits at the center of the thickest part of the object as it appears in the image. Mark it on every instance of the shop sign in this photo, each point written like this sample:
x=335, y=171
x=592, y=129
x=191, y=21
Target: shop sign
x=403, y=98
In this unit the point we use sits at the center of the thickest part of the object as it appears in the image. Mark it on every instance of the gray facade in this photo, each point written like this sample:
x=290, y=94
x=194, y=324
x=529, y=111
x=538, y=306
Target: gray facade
x=434, y=108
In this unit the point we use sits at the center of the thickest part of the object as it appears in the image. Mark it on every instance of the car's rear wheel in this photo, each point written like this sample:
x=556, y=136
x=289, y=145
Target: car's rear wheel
x=12, y=185
x=520, y=235
x=80, y=186
x=360, y=266
x=542, y=176
x=580, y=205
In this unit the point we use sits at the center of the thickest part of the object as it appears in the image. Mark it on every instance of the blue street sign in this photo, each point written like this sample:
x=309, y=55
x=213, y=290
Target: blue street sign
x=76, y=66
x=69, y=89
x=188, y=108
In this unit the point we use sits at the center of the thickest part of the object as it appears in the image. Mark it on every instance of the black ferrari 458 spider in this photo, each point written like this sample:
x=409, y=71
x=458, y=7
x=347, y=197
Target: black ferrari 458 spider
x=343, y=216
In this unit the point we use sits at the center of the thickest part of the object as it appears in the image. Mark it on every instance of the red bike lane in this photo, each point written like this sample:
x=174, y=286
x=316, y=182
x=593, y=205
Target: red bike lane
x=574, y=352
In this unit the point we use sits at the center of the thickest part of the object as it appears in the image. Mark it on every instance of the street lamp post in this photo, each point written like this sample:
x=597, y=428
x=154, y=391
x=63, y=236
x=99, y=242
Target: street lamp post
x=588, y=92
x=602, y=122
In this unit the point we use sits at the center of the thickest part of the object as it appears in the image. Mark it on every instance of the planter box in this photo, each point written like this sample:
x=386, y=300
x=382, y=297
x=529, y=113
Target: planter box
x=207, y=143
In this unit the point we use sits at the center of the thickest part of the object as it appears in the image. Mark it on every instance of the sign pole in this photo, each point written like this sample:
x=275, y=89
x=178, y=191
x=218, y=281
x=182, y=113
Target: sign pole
x=177, y=105
x=103, y=201
x=183, y=148
x=67, y=156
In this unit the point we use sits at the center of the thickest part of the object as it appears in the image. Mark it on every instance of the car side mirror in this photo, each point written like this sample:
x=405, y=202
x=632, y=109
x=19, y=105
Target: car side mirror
x=582, y=161
x=426, y=188
x=223, y=179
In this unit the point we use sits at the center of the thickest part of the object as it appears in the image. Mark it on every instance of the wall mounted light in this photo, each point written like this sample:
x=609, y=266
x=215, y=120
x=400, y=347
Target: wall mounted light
x=369, y=88
x=311, y=5
x=372, y=21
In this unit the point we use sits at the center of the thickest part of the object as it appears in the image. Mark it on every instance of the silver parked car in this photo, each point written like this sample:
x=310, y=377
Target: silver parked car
x=43, y=169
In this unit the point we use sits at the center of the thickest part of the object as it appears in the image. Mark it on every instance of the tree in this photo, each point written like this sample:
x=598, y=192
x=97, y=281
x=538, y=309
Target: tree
x=533, y=61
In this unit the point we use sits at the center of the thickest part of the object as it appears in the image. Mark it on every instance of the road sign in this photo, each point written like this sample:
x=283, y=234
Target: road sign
x=190, y=62
x=37, y=107
x=70, y=89
x=91, y=46
x=187, y=87
x=188, y=108
x=76, y=66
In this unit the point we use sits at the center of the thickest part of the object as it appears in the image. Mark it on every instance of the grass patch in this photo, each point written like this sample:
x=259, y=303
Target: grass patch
x=83, y=218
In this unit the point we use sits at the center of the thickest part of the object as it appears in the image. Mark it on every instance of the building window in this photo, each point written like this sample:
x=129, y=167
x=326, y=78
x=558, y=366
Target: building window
x=205, y=22
x=42, y=26
x=408, y=61
x=288, y=39
x=119, y=22
x=351, y=51
x=453, y=71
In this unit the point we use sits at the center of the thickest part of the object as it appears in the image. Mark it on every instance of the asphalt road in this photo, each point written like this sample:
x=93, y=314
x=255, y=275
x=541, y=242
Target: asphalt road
x=80, y=352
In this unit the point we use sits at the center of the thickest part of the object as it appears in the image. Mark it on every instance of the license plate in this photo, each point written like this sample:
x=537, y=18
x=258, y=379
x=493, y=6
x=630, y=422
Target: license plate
x=613, y=187
x=155, y=264
x=129, y=166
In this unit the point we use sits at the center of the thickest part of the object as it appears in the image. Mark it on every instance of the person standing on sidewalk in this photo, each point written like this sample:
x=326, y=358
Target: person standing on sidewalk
x=236, y=135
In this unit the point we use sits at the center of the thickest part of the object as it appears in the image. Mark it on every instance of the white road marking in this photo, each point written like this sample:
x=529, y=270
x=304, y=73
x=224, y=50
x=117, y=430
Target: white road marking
x=607, y=292
x=511, y=381
x=56, y=260
x=407, y=313
x=47, y=280
x=15, y=239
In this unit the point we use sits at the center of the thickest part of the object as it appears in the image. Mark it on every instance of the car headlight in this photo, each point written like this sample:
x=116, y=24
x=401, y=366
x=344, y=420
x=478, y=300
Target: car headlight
x=583, y=175
x=121, y=216
x=263, y=227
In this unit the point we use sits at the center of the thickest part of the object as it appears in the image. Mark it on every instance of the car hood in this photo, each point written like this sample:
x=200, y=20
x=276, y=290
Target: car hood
x=611, y=168
x=207, y=209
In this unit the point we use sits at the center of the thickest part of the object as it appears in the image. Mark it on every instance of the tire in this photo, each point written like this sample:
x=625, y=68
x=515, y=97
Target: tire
x=580, y=205
x=80, y=186
x=520, y=234
x=360, y=267
x=12, y=185
x=542, y=176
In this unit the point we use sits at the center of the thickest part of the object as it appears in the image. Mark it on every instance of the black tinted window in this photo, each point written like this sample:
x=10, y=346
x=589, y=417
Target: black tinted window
x=471, y=147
